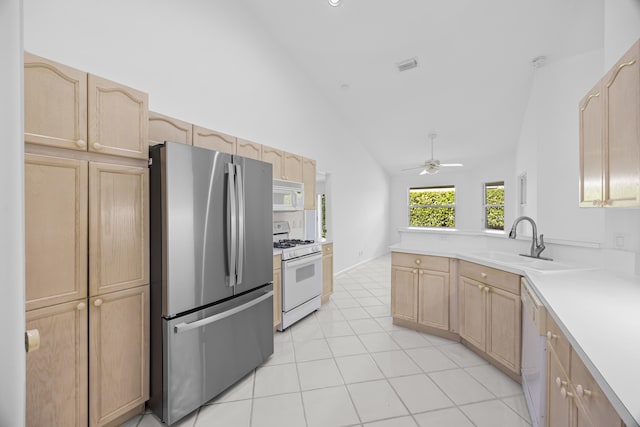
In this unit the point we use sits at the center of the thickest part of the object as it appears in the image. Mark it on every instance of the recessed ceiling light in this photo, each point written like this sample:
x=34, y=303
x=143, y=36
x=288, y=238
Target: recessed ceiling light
x=335, y=3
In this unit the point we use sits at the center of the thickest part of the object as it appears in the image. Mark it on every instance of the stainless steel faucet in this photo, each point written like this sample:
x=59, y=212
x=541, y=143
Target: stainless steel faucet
x=536, y=249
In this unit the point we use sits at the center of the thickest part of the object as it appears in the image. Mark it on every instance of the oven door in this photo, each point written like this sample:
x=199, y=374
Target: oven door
x=301, y=280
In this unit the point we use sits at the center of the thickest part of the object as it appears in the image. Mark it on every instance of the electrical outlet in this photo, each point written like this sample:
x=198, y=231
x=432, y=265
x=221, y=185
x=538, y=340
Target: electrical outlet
x=619, y=241
x=360, y=252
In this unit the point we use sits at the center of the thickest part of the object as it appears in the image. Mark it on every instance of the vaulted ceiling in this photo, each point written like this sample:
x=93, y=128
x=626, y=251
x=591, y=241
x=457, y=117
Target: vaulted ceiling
x=474, y=75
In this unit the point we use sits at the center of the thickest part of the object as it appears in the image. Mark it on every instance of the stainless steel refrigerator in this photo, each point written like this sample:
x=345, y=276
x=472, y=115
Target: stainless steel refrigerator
x=211, y=274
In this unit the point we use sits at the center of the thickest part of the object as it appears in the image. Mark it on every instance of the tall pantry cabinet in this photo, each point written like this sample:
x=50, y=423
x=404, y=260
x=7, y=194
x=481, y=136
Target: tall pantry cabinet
x=86, y=221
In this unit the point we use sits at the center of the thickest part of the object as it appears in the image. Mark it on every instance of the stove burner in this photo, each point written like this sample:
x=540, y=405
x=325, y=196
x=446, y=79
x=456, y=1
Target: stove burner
x=290, y=243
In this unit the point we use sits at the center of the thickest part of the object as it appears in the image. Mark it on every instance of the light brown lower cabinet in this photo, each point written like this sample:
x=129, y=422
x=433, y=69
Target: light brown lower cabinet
x=56, y=389
x=573, y=397
x=327, y=271
x=119, y=353
x=277, y=290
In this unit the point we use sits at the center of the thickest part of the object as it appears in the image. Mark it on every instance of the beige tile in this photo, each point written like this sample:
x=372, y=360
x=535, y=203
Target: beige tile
x=461, y=355
x=430, y=359
x=395, y=363
x=365, y=326
x=237, y=414
x=493, y=413
x=394, y=422
x=276, y=379
x=358, y=368
x=407, y=338
x=419, y=393
x=241, y=390
x=451, y=417
x=460, y=386
x=337, y=329
x=519, y=405
x=284, y=410
x=318, y=374
x=282, y=353
x=355, y=313
x=376, y=401
x=329, y=407
x=312, y=350
x=346, y=346
x=380, y=341
x=497, y=382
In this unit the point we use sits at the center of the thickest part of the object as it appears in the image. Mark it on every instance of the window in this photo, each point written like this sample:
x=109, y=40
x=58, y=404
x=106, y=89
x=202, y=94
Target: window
x=494, y=205
x=432, y=207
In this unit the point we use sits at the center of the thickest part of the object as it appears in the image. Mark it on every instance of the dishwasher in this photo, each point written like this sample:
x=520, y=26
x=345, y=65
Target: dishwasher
x=534, y=354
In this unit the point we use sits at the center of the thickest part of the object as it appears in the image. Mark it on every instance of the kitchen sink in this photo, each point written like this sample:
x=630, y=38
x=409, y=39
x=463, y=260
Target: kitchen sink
x=539, y=265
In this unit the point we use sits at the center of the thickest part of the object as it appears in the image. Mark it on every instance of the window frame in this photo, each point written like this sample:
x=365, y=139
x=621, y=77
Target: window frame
x=486, y=205
x=437, y=206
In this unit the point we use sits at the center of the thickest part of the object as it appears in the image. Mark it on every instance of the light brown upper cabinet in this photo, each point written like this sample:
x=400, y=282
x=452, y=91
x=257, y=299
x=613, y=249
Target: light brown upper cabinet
x=118, y=227
x=309, y=180
x=248, y=149
x=164, y=128
x=213, y=140
x=292, y=167
x=610, y=136
x=55, y=104
x=56, y=194
x=118, y=119
x=276, y=158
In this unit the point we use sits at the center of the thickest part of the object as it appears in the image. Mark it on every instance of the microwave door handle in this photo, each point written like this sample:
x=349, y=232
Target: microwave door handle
x=231, y=224
x=241, y=219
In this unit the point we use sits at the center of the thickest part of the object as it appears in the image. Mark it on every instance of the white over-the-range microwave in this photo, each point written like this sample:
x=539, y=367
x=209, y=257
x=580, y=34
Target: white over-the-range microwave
x=288, y=195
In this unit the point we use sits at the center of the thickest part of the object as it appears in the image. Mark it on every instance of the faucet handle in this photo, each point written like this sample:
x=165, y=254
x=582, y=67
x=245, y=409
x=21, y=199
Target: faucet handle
x=541, y=241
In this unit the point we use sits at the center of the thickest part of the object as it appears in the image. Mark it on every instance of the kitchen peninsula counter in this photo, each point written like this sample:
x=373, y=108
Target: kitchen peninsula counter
x=598, y=311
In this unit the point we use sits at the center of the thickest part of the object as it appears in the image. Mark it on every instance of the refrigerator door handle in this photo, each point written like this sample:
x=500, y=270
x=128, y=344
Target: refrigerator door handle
x=232, y=238
x=241, y=219
x=183, y=327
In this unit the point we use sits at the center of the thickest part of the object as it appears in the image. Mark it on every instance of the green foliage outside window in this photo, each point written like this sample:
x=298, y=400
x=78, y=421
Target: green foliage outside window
x=323, y=207
x=494, y=206
x=432, y=207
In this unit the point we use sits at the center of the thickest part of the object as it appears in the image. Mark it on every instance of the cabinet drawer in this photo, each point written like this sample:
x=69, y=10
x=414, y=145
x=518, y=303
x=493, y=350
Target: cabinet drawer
x=500, y=279
x=277, y=262
x=559, y=342
x=327, y=249
x=426, y=262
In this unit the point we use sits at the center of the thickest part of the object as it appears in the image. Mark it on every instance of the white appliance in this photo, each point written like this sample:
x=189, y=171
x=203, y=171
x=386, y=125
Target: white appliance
x=301, y=275
x=288, y=195
x=534, y=354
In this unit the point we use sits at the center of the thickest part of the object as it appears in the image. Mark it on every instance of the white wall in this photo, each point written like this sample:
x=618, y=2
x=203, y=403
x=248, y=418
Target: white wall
x=12, y=321
x=469, y=192
x=211, y=63
x=621, y=28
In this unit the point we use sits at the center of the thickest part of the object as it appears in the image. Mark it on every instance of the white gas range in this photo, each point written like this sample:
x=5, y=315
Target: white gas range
x=301, y=275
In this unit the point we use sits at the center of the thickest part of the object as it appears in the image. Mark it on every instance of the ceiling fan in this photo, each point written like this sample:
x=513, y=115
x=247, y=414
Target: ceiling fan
x=432, y=166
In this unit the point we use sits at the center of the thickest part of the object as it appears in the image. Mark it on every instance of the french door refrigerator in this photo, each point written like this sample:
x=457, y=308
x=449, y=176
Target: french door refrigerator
x=211, y=274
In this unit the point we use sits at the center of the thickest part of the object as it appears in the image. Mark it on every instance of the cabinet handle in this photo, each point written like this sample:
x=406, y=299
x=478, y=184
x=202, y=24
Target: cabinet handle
x=551, y=336
x=560, y=383
x=580, y=391
x=81, y=143
x=98, y=302
x=480, y=287
x=484, y=275
x=564, y=393
x=81, y=306
x=487, y=289
x=31, y=340
x=97, y=146
x=418, y=261
x=414, y=271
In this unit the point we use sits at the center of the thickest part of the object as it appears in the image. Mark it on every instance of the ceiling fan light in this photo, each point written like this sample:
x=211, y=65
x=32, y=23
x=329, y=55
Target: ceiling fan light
x=335, y=3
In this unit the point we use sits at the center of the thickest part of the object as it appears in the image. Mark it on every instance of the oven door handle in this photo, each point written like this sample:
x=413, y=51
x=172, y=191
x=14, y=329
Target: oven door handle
x=302, y=261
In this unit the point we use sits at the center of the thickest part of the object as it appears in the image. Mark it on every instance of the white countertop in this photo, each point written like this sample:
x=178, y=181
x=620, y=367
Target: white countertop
x=598, y=311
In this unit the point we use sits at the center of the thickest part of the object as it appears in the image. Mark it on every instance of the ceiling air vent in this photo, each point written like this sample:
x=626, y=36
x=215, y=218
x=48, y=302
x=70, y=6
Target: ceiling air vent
x=407, y=64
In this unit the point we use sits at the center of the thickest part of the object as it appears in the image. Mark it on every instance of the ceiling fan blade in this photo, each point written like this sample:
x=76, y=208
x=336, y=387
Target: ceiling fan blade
x=451, y=164
x=414, y=168
x=424, y=172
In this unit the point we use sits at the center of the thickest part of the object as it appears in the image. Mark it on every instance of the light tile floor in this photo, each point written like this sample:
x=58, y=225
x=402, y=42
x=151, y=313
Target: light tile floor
x=348, y=365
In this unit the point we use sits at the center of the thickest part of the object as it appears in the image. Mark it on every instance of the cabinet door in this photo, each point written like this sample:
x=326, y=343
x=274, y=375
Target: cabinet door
x=55, y=230
x=55, y=104
x=558, y=407
x=292, y=169
x=309, y=180
x=119, y=352
x=591, y=148
x=277, y=297
x=118, y=119
x=473, y=324
x=327, y=271
x=276, y=158
x=622, y=131
x=163, y=128
x=404, y=293
x=214, y=140
x=503, y=327
x=57, y=371
x=118, y=227
x=433, y=299
x=248, y=149
x=594, y=409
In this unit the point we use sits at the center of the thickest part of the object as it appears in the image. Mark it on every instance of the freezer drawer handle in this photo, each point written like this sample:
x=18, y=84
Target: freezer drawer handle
x=183, y=327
